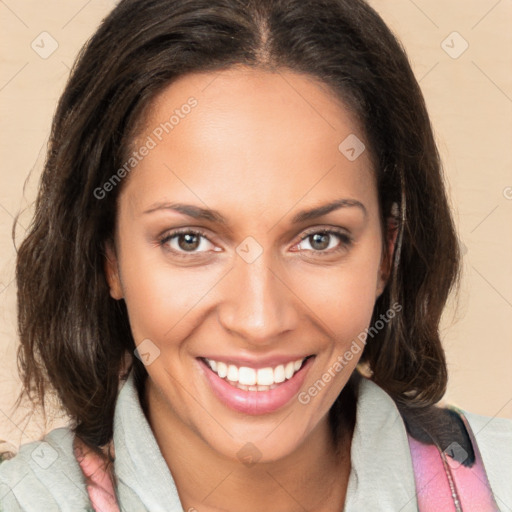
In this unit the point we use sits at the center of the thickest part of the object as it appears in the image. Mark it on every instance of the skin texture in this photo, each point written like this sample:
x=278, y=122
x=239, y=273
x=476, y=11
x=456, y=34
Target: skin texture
x=258, y=147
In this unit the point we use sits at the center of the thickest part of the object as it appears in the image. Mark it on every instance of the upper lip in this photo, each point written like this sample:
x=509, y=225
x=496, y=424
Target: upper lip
x=259, y=362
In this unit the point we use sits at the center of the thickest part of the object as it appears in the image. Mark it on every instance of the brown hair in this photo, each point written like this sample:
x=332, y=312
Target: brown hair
x=74, y=335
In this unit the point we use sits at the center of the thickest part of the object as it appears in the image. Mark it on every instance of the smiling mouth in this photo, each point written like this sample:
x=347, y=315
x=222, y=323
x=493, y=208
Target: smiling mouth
x=255, y=379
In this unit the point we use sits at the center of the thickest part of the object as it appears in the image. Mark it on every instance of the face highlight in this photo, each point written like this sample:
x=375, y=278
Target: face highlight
x=248, y=250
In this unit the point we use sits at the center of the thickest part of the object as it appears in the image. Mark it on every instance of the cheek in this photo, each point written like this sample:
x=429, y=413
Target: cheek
x=345, y=308
x=342, y=297
x=343, y=300
x=163, y=299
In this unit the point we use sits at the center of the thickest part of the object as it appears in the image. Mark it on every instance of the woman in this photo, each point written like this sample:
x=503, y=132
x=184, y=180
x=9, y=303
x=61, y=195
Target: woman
x=240, y=255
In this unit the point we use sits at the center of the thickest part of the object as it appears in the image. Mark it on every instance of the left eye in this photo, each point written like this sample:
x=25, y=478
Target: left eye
x=320, y=240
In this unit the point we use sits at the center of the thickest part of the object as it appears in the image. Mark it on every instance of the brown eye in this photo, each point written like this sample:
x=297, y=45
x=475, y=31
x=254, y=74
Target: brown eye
x=323, y=241
x=190, y=241
x=320, y=241
x=186, y=241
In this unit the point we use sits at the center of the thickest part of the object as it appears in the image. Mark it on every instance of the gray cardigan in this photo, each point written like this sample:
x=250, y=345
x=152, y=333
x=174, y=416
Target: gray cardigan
x=44, y=475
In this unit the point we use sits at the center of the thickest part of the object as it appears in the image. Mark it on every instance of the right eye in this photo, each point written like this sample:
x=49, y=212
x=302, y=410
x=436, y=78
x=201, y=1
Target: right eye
x=186, y=241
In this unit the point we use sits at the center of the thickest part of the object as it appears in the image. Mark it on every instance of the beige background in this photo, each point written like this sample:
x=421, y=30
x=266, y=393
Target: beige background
x=470, y=102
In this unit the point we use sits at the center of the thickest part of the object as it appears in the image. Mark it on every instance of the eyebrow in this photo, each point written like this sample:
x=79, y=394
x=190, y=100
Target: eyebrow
x=197, y=212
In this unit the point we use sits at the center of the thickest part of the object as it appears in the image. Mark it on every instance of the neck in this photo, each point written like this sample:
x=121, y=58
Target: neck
x=313, y=477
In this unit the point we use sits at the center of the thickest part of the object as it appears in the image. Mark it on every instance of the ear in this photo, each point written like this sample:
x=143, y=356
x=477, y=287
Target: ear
x=391, y=233
x=111, y=267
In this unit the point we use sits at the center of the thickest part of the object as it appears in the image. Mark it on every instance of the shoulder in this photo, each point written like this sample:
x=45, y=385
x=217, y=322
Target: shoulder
x=44, y=475
x=494, y=440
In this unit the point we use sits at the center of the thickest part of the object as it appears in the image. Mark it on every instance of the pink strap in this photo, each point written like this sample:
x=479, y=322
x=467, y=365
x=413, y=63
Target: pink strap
x=99, y=485
x=442, y=483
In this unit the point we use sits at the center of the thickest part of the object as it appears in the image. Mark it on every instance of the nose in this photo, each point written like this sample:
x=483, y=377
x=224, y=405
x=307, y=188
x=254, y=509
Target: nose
x=258, y=305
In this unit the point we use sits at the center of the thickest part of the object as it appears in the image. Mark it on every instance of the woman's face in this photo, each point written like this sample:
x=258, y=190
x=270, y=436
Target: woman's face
x=248, y=321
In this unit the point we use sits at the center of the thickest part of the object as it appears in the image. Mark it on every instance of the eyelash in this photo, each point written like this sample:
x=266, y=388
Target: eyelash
x=345, y=239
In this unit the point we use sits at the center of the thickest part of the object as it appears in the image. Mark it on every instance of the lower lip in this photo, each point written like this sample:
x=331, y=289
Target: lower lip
x=256, y=402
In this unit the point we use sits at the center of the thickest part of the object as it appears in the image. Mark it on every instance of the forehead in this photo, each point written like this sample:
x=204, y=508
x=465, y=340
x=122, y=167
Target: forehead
x=247, y=137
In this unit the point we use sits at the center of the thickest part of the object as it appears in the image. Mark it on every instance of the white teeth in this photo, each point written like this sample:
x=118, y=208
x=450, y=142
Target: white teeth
x=288, y=371
x=265, y=376
x=247, y=376
x=251, y=388
x=279, y=375
x=250, y=379
x=222, y=370
x=232, y=373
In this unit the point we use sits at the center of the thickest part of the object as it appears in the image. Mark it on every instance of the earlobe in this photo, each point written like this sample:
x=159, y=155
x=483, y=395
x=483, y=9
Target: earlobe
x=112, y=271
